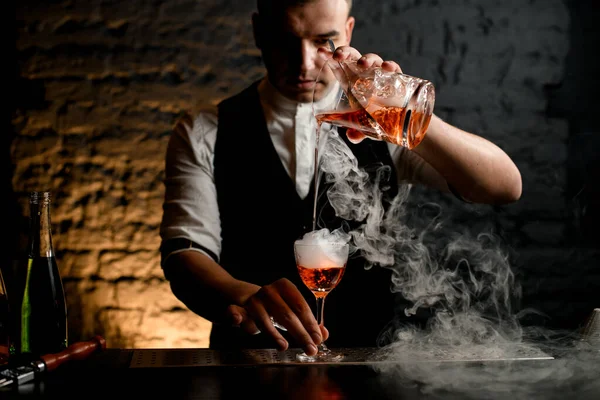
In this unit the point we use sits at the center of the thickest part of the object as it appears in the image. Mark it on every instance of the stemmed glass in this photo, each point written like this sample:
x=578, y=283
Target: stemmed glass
x=321, y=267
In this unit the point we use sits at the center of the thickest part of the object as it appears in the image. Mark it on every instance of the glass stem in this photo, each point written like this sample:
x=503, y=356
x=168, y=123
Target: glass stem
x=320, y=309
x=320, y=317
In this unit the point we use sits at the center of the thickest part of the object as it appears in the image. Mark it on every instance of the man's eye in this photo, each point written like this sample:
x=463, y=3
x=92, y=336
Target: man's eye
x=320, y=42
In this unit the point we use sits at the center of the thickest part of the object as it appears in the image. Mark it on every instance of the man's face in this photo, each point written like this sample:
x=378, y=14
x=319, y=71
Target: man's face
x=289, y=46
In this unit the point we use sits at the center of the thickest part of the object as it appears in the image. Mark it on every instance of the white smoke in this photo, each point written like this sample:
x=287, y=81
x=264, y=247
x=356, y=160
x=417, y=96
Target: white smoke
x=322, y=248
x=473, y=345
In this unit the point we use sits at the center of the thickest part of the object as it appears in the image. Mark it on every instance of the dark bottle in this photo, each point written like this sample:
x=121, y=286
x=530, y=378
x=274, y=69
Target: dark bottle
x=43, y=320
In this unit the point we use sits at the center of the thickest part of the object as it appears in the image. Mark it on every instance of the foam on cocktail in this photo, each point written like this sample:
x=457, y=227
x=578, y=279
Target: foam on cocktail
x=330, y=249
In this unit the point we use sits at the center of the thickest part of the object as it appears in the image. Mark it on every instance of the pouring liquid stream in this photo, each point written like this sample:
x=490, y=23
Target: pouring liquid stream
x=316, y=176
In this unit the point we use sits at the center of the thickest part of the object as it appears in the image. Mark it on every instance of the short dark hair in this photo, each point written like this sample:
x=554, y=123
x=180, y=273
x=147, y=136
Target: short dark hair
x=268, y=8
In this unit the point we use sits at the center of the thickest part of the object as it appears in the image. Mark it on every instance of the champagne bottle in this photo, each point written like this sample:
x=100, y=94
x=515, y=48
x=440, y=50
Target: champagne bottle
x=43, y=324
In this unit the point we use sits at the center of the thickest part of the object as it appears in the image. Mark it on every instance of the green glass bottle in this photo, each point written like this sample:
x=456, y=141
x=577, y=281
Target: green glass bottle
x=43, y=318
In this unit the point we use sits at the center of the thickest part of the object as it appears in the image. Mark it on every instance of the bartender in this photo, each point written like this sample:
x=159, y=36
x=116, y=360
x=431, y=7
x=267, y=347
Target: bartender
x=239, y=191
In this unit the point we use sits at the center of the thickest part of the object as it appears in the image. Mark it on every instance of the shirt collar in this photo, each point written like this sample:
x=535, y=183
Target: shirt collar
x=274, y=98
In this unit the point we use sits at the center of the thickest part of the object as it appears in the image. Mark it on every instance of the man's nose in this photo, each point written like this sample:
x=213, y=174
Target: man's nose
x=308, y=54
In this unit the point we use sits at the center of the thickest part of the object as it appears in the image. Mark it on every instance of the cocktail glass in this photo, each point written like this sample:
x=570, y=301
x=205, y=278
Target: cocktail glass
x=321, y=267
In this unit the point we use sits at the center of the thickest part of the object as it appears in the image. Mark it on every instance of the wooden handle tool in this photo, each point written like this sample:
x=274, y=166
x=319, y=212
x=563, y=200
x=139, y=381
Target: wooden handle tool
x=50, y=362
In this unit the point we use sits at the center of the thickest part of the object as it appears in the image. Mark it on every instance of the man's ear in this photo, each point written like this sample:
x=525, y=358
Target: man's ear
x=257, y=30
x=349, y=28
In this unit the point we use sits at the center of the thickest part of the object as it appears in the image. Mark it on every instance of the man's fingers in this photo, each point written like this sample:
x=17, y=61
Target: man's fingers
x=235, y=315
x=298, y=316
x=256, y=309
x=346, y=53
x=238, y=317
x=283, y=301
x=325, y=53
x=250, y=327
x=324, y=332
x=369, y=60
x=280, y=304
x=391, y=66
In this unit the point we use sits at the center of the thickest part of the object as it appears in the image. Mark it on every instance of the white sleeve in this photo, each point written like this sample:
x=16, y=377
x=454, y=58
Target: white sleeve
x=410, y=167
x=190, y=209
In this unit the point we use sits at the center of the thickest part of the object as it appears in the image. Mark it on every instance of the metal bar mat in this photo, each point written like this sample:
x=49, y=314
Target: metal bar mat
x=160, y=358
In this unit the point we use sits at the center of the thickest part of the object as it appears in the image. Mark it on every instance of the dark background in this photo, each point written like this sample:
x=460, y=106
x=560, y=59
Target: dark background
x=97, y=86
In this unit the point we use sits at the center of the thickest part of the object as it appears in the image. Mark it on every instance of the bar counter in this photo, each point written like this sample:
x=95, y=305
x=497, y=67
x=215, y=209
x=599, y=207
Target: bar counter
x=264, y=374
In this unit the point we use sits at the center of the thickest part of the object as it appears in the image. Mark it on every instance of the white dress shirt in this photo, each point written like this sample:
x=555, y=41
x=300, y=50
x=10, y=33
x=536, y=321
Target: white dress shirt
x=190, y=209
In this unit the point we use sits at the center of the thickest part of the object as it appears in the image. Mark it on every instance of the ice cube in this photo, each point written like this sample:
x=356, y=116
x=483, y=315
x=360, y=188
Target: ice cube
x=385, y=85
x=363, y=89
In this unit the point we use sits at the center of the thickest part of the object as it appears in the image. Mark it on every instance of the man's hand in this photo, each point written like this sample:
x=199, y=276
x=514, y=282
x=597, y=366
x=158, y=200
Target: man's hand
x=282, y=301
x=211, y=292
x=347, y=53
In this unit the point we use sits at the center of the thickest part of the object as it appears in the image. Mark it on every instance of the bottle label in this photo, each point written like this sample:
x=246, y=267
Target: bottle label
x=26, y=311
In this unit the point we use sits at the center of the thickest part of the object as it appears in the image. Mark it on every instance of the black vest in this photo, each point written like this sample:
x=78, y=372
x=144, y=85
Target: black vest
x=262, y=215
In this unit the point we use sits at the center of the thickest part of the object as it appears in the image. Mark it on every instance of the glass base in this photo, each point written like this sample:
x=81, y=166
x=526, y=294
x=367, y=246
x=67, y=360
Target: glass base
x=323, y=355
